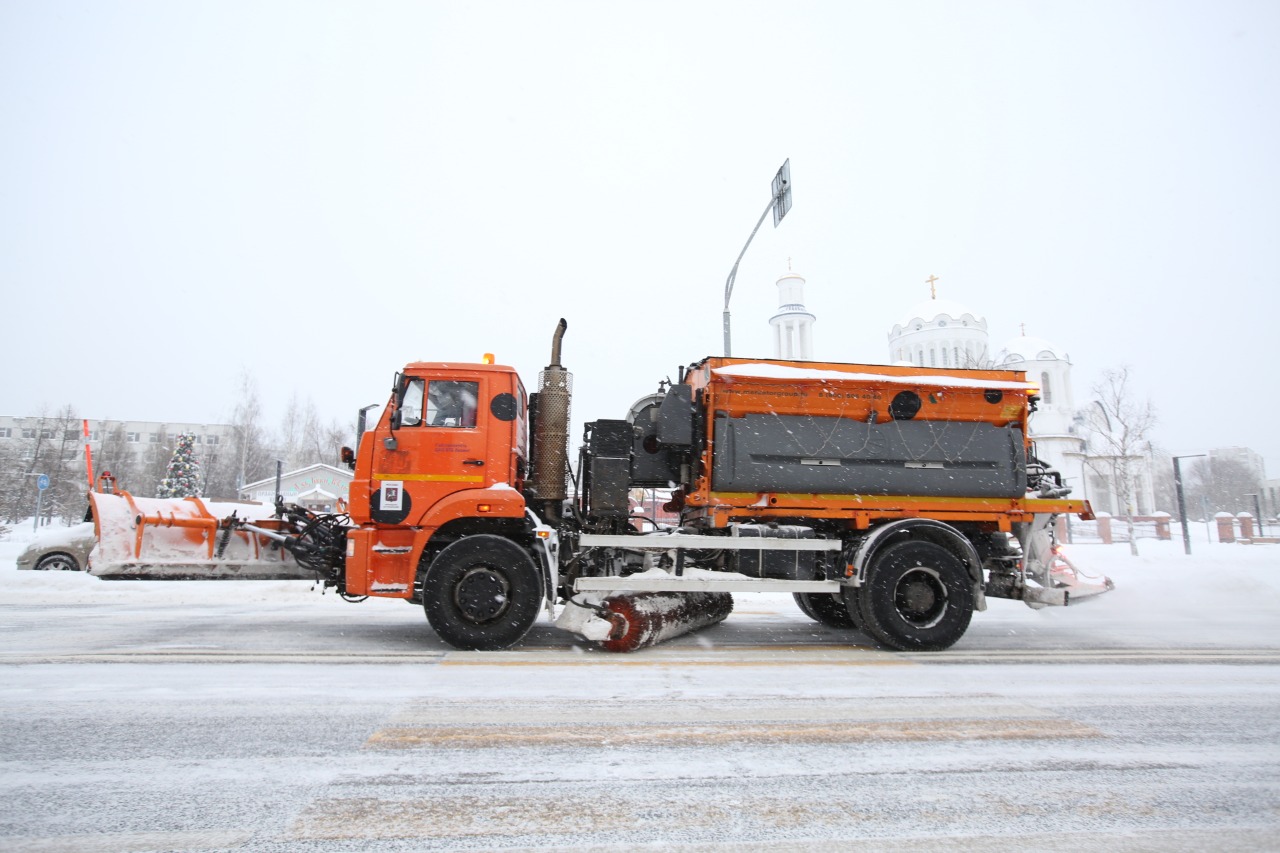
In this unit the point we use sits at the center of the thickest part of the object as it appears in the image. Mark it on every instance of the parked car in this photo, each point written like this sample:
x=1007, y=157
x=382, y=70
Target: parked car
x=59, y=549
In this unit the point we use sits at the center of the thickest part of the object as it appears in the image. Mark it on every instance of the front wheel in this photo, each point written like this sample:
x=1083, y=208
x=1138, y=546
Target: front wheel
x=482, y=593
x=917, y=597
x=58, y=563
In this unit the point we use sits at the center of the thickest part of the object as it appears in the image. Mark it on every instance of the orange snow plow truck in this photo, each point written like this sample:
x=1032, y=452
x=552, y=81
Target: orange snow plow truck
x=889, y=500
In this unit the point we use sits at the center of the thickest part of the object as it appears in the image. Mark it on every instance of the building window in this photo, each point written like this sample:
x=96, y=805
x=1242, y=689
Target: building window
x=153, y=437
x=46, y=433
x=213, y=439
x=933, y=357
x=133, y=437
x=946, y=358
x=1046, y=393
x=27, y=432
x=197, y=439
x=70, y=434
x=6, y=432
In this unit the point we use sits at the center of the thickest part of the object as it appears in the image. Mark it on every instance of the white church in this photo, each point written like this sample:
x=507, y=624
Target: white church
x=942, y=333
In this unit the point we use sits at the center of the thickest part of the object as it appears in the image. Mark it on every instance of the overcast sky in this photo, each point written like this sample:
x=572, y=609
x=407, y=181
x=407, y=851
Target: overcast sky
x=318, y=193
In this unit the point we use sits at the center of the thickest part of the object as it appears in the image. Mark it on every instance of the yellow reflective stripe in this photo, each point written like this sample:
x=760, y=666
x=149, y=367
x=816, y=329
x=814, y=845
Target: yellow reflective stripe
x=433, y=478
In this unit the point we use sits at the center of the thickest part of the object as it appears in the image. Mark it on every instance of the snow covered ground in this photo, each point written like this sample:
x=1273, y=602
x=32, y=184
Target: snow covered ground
x=245, y=715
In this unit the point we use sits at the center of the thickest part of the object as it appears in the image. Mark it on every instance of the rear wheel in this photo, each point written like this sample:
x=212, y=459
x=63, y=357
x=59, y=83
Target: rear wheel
x=58, y=563
x=482, y=593
x=825, y=607
x=917, y=597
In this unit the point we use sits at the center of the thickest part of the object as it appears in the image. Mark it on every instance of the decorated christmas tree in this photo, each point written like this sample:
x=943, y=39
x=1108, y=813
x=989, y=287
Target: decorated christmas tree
x=182, y=479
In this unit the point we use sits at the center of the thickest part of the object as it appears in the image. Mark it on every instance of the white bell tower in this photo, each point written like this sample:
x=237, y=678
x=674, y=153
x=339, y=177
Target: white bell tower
x=793, y=324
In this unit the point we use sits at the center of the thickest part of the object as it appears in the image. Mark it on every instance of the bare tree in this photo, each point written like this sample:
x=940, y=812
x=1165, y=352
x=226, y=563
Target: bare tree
x=292, y=432
x=251, y=445
x=1119, y=427
x=1166, y=493
x=115, y=456
x=1225, y=482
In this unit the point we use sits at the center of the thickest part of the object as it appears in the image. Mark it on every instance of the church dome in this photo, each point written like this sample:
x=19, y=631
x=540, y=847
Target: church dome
x=933, y=310
x=1027, y=348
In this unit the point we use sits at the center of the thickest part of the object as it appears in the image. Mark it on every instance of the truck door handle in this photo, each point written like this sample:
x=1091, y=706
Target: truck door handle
x=472, y=461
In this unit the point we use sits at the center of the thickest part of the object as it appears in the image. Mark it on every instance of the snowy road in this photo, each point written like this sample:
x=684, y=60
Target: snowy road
x=255, y=717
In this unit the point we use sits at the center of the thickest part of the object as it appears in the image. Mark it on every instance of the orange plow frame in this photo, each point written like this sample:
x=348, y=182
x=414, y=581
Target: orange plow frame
x=177, y=539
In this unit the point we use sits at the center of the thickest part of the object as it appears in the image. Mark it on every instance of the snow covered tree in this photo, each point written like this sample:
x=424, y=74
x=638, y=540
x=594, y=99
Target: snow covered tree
x=182, y=479
x=1120, y=423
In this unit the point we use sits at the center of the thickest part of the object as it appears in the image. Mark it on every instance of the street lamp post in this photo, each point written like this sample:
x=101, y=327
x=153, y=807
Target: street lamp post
x=1182, y=501
x=779, y=203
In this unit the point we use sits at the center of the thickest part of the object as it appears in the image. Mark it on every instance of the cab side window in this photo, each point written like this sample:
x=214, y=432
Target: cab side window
x=411, y=404
x=452, y=403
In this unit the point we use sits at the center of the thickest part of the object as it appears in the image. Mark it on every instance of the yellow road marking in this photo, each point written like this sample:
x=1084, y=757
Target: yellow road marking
x=845, y=731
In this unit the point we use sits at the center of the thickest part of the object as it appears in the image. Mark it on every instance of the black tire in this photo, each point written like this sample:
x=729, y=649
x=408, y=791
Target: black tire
x=852, y=599
x=482, y=593
x=57, y=563
x=825, y=607
x=917, y=597
x=802, y=601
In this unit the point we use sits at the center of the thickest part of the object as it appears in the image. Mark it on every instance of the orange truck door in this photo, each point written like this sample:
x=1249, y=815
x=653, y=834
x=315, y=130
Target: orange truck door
x=450, y=439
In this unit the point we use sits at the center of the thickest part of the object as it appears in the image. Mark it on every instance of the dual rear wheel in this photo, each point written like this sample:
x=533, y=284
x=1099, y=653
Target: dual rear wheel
x=917, y=596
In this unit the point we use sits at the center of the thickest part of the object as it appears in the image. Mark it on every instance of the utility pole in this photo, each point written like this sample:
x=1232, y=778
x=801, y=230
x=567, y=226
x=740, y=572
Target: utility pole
x=1182, y=502
x=779, y=203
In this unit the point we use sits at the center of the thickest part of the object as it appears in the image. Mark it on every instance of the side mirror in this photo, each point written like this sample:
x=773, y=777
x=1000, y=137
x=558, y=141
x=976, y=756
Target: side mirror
x=348, y=457
x=397, y=399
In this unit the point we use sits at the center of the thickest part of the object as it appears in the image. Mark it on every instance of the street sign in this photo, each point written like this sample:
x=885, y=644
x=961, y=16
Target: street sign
x=42, y=482
x=782, y=192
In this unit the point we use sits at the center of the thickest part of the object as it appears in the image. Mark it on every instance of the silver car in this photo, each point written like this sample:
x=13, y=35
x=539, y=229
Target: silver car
x=59, y=549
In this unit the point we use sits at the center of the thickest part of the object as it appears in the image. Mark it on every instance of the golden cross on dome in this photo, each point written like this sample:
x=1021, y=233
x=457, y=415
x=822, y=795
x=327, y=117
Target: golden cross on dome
x=933, y=289
x=1024, y=329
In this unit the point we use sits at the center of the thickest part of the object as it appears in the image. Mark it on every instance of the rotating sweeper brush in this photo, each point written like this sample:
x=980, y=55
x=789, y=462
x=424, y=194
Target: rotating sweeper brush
x=630, y=621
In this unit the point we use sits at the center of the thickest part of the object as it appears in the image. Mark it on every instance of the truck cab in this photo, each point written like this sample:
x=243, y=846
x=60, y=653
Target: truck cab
x=450, y=450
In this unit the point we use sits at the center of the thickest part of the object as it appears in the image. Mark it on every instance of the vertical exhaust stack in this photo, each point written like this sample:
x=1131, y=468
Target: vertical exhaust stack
x=551, y=433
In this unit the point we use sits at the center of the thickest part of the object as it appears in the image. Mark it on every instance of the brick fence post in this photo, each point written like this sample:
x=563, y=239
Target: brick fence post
x=1246, y=525
x=1226, y=527
x=1104, y=528
x=1162, y=525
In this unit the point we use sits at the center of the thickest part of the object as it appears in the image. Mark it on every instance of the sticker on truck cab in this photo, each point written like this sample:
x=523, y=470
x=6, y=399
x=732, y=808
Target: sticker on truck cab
x=392, y=496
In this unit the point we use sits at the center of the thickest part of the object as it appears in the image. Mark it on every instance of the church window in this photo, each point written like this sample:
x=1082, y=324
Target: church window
x=1046, y=392
x=955, y=351
x=933, y=357
x=946, y=358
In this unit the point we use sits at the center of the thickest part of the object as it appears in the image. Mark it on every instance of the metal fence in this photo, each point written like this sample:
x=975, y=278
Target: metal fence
x=1087, y=532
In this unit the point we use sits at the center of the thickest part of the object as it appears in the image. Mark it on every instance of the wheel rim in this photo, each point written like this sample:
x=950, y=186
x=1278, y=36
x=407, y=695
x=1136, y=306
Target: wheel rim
x=56, y=564
x=481, y=594
x=921, y=597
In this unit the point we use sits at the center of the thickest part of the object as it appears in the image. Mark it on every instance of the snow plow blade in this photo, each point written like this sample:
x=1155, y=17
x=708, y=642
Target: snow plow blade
x=186, y=539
